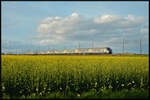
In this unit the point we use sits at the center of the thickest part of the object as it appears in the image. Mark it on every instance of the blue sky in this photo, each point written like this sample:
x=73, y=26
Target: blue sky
x=34, y=25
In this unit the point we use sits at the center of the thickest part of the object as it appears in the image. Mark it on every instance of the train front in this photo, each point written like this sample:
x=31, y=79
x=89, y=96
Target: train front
x=109, y=50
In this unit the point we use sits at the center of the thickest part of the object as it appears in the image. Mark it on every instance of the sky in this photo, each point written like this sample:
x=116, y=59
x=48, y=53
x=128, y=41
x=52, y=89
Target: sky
x=32, y=26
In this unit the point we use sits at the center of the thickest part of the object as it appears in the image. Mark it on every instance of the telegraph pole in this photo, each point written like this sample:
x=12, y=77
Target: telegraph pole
x=92, y=44
x=123, y=46
x=140, y=46
x=39, y=48
x=16, y=51
x=79, y=45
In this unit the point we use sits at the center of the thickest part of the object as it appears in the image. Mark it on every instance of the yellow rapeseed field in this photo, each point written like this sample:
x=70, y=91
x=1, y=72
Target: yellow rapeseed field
x=26, y=76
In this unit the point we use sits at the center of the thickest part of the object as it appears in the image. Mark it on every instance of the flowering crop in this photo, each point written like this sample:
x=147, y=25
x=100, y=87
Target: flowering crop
x=40, y=76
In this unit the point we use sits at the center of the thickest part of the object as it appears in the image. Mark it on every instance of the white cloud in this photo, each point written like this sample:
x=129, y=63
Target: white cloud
x=106, y=19
x=103, y=30
x=133, y=19
x=75, y=14
x=58, y=25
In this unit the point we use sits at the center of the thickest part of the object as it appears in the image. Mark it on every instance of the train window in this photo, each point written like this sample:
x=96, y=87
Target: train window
x=108, y=48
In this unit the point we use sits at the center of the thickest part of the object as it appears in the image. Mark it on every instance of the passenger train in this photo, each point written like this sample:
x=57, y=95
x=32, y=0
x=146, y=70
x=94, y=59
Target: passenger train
x=105, y=50
x=80, y=51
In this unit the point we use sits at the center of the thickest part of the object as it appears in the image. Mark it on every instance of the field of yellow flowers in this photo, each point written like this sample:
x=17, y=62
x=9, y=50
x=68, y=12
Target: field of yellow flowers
x=29, y=76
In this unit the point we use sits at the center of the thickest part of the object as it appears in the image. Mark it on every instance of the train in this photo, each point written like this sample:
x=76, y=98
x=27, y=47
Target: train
x=79, y=51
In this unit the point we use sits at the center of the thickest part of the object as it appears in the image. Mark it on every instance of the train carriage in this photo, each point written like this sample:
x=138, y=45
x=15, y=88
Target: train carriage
x=105, y=50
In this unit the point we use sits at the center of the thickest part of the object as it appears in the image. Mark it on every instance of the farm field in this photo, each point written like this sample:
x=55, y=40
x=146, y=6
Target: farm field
x=29, y=76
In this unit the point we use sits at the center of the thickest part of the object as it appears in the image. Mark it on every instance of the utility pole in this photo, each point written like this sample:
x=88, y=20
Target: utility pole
x=79, y=45
x=39, y=48
x=123, y=45
x=140, y=46
x=92, y=44
x=16, y=51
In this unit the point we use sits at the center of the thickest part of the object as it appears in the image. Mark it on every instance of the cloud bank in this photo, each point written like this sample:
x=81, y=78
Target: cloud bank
x=78, y=28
